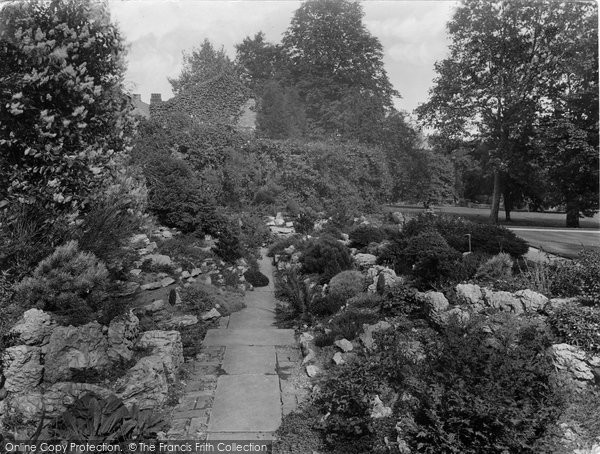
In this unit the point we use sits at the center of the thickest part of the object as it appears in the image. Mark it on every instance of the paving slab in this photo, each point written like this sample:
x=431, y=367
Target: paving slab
x=260, y=300
x=233, y=337
x=249, y=360
x=246, y=403
x=252, y=318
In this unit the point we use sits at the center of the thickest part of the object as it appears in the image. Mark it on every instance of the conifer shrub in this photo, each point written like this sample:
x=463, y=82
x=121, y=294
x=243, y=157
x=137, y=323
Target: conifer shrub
x=256, y=278
x=68, y=283
x=347, y=284
x=363, y=235
x=327, y=257
x=497, y=267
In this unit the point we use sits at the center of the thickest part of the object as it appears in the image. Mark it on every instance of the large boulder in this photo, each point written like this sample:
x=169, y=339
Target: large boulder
x=145, y=384
x=574, y=362
x=34, y=327
x=386, y=280
x=504, y=301
x=165, y=345
x=469, y=294
x=75, y=348
x=22, y=368
x=531, y=301
x=159, y=259
x=122, y=334
x=435, y=304
x=28, y=406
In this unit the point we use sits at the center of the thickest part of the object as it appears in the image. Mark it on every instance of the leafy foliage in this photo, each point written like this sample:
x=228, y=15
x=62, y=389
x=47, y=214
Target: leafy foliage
x=63, y=114
x=365, y=234
x=347, y=284
x=497, y=267
x=92, y=418
x=577, y=324
x=327, y=257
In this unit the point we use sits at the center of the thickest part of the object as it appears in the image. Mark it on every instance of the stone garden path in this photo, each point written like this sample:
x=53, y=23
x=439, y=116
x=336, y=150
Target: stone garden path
x=238, y=388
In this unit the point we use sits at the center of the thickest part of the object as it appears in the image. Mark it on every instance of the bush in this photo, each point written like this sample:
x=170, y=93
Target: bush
x=290, y=288
x=256, y=278
x=349, y=323
x=229, y=247
x=347, y=284
x=184, y=249
x=304, y=222
x=327, y=257
x=254, y=232
x=278, y=247
x=486, y=238
x=365, y=301
x=497, y=267
x=589, y=275
x=402, y=300
x=365, y=234
x=196, y=300
x=577, y=325
x=69, y=283
x=324, y=306
x=433, y=259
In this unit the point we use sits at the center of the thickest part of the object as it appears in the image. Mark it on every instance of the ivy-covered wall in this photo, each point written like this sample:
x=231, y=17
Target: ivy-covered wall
x=220, y=100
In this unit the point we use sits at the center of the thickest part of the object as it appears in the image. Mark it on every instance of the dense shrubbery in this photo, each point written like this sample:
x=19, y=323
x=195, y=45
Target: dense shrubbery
x=304, y=222
x=496, y=267
x=69, y=283
x=491, y=239
x=577, y=324
x=256, y=278
x=363, y=235
x=325, y=256
x=459, y=394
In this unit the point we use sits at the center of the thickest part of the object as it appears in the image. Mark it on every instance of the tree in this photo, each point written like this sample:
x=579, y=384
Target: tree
x=502, y=67
x=202, y=64
x=280, y=114
x=258, y=60
x=63, y=112
x=330, y=54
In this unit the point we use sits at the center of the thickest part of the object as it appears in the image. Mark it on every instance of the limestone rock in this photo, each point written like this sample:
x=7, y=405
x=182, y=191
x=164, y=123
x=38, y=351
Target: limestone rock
x=159, y=259
x=139, y=241
x=312, y=370
x=469, y=293
x=128, y=288
x=435, y=304
x=573, y=361
x=195, y=272
x=309, y=357
x=531, y=301
x=460, y=315
x=379, y=410
x=29, y=405
x=151, y=285
x=283, y=231
x=185, y=274
x=279, y=220
x=365, y=260
x=504, y=301
x=344, y=345
x=213, y=313
x=22, y=368
x=386, y=279
x=155, y=306
x=165, y=282
x=338, y=358
x=70, y=347
x=305, y=342
x=397, y=217
x=122, y=334
x=166, y=345
x=145, y=384
x=34, y=327
x=179, y=321
x=367, y=336
x=63, y=394
x=135, y=272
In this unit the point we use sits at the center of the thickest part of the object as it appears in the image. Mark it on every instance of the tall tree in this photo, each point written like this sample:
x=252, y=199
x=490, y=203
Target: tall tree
x=202, y=64
x=502, y=65
x=330, y=54
x=259, y=61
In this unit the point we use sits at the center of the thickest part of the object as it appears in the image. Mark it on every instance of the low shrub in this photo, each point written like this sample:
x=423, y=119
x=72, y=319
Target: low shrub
x=255, y=232
x=578, y=325
x=109, y=420
x=325, y=306
x=433, y=260
x=348, y=324
x=589, y=275
x=330, y=229
x=402, y=300
x=325, y=256
x=184, y=249
x=281, y=244
x=256, y=278
x=148, y=266
x=196, y=300
x=229, y=247
x=365, y=300
x=365, y=234
x=497, y=267
x=304, y=222
x=68, y=283
x=290, y=288
x=347, y=284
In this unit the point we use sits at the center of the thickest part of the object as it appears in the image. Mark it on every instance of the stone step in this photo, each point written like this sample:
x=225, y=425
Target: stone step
x=245, y=360
x=262, y=336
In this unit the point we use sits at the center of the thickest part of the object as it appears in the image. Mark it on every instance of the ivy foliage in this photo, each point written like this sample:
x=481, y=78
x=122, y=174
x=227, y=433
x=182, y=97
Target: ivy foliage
x=63, y=115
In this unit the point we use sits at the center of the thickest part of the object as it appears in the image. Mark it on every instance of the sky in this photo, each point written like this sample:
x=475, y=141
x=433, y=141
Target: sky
x=412, y=33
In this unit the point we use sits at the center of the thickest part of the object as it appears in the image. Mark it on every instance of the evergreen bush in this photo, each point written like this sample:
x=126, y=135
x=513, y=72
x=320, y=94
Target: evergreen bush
x=327, y=257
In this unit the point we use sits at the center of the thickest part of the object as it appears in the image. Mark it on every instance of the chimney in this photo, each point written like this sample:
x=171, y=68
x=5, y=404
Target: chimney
x=137, y=97
x=155, y=98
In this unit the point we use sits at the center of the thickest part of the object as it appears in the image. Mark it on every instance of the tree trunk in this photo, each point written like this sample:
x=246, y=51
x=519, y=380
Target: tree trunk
x=496, y=198
x=572, y=213
x=508, y=205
